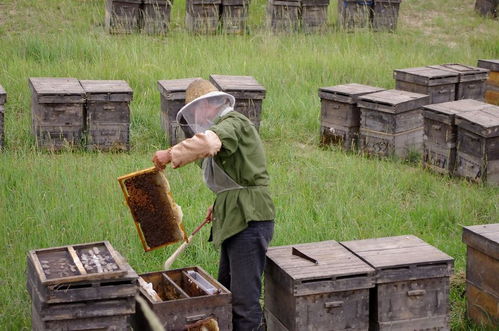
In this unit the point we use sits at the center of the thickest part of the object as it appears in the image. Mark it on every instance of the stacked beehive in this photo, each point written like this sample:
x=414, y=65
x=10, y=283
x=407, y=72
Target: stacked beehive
x=381, y=15
x=81, y=287
x=291, y=15
x=3, y=99
x=488, y=8
x=492, y=83
x=127, y=16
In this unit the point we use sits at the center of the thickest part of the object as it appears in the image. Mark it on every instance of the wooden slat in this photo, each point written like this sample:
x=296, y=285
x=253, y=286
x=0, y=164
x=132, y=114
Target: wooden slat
x=425, y=75
x=237, y=83
x=77, y=261
x=463, y=71
x=492, y=65
x=456, y=107
x=487, y=118
x=385, y=243
x=484, y=238
x=352, y=90
x=49, y=85
x=175, y=85
x=394, y=100
x=105, y=86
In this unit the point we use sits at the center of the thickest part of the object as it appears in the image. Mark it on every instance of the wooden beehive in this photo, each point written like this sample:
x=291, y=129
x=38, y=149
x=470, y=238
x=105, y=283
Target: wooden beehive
x=477, y=155
x=330, y=293
x=488, y=8
x=439, y=84
x=340, y=115
x=391, y=122
x=107, y=114
x=314, y=15
x=3, y=99
x=492, y=83
x=234, y=16
x=440, y=133
x=471, y=83
x=186, y=296
x=122, y=16
x=482, y=268
x=202, y=16
x=155, y=17
x=283, y=16
x=84, y=287
x=57, y=110
x=385, y=15
x=172, y=93
x=354, y=14
x=248, y=92
x=412, y=283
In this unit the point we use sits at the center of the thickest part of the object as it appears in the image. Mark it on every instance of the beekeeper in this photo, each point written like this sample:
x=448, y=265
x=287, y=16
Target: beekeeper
x=234, y=167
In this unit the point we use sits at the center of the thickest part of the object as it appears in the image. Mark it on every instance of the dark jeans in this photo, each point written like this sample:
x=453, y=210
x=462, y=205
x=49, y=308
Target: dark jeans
x=242, y=260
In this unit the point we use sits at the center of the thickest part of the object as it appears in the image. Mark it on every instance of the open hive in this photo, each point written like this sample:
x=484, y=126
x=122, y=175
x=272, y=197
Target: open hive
x=157, y=217
x=3, y=99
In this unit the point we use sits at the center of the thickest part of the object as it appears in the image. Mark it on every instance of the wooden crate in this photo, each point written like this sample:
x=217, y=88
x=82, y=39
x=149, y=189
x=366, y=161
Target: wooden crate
x=391, y=122
x=122, y=16
x=107, y=114
x=478, y=145
x=184, y=301
x=471, y=83
x=57, y=109
x=355, y=13
x=330, y=293
x=202, y=16
x=412, y=283
x=385, y=15
x=234, y=16
x=172, y=93
x=155, y=17
x=440, y=133
x=3, y=99
x=482, y=268
x=487, y=7
x=439, y=84
x=283, y=16
x=248, y=92
x=492, y=83
x=314, y=15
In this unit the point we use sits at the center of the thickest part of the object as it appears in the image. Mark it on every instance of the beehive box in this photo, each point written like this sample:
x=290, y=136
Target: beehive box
x=487, y=7
x=412, y=283
x=471, y=83
x=172, y=93
x=82, y=287
x=283, y=16
x=202, y=16
x=478, y=145
x=314, y=15
x=122, y=16
x=391, y=122
x=107, y=114
x=187, y=296
x=316, y=286
x=248, y=92
x=492, y=83
x=57, y=110
x=439, y=84
x=340, y=115
x=482, y=268
x=3, y=99
x=155, y=16
x=385, y=15
x=355, y=13
x=234, y=16
x=440, y=133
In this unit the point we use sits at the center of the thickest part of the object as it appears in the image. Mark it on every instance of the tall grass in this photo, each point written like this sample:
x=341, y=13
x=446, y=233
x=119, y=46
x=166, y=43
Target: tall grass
x=50, y=200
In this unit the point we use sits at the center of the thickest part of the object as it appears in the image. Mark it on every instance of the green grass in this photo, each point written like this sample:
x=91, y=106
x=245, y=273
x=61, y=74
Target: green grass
x=51, y=200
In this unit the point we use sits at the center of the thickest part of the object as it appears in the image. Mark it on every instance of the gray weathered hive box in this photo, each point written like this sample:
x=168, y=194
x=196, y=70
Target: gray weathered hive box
x=330, y=294
x=57, y=109
x=391, y=122
x=234, y=16
x=439, y=84
x=340, y=115
x=172, y=94
x=122, y=16
x=471, y=83
x=440, y=133
x=477, y=145
x=202, y=16
x=248, y=92
x=314, y=15
x=283, y=16
x=186, y=296
x=385, y=15
x=487, y=7
x=482, y=270
x=492, y=84
x=412, y=283
x=355, y=13
x=107, y=114
x=3, y=99
x=155, y=16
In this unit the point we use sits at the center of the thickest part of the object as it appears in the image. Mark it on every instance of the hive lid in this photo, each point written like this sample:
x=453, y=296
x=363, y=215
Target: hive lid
x=174, y=89
x=452, y=108
x=239, y=86
x=348, y=93
x=466, y=73
x=333, y=261
x=3, y=95
x=426, y=76
x=484, y=122
x=492, y=65
x=484, y=237
x=57, y=90
x=393, y=101
x=107, y=90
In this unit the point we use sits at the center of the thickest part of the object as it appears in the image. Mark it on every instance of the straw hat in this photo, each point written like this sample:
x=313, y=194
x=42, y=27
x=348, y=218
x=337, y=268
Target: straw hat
x=198, y=88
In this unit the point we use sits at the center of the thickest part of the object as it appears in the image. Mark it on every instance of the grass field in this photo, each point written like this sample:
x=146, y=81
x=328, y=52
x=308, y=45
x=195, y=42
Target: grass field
x=50, y=200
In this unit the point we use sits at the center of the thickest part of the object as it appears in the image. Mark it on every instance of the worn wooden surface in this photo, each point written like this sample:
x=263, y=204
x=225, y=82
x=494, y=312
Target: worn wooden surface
x=239, y=86
x=393, y=101
x=491, y=64
x=439, y=158
x=354, y=14
x=202, y=16
x=56, y=90
x=155, y=16
x=488, y=8
x=107, y=90
x=484, y=237
x=482, y=270
x=345, y=137
x=283, y=16
x=482, y=307
x=385, y=15
x=3, y=95
x=492, y=83
x=426, y=76
x=390, y=123
x=471, y=84
x=56, y=138
x=383, y=144
x=108, y=137
x=234, y=18
x=122, y=16
x=483, y=122
x=340, y=114
x=347, y=93
x=313, y=17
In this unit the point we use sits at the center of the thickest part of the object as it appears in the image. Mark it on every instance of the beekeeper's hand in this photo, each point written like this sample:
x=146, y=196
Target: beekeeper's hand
x=162, y=158
x=209, y=214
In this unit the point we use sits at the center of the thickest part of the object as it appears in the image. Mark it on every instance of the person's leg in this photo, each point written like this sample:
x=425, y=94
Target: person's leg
x=224, y=267
x=246, y=254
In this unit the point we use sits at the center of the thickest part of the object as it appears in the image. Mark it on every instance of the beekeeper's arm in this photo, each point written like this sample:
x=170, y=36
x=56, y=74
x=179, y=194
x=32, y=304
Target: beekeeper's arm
x=201, y=145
